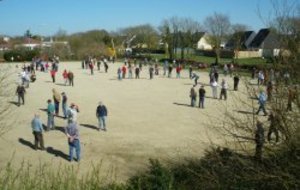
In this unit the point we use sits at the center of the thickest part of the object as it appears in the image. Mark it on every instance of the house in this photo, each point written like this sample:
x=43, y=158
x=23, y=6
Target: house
x=244, y=38
x=34, y=43
x=203, y=44
x=30, y=43
x=50, y=43
x=5, y=43
x=266, y=43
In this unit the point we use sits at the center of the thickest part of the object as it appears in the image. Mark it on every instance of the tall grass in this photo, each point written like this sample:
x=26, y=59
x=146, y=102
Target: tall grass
x=45, y=177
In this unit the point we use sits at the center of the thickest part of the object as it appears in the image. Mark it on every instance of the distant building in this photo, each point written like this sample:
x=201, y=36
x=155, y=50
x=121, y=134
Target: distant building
x=49, y=43
x=244, y=38
x=5, y=43
x=266, y=43
x=33, y=43
x=203, y=44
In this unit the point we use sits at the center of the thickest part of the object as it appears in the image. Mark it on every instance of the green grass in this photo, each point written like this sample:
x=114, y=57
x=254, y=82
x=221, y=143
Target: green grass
x=209, y=60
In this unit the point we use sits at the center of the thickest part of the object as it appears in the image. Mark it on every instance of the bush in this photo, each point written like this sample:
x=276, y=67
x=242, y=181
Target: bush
x=157, y=177
x=223, y=169
x=211, y=53
x=21, y=54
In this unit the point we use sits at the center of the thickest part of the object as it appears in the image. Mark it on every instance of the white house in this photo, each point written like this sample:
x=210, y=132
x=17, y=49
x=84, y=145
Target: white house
x=203, y=43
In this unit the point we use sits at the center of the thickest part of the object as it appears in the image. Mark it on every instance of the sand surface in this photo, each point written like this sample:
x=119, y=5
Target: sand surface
x=146, y=119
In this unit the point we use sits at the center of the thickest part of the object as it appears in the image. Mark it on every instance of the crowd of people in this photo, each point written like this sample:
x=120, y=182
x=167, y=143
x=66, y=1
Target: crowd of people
x=70, y=113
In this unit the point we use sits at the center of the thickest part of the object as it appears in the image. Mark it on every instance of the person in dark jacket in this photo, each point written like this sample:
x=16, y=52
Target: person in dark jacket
x=274, y=126
x=20, y=92
x=71, y=78
x=259, y=140
x=101, y=114
x=236, y=80
x=201, y=97
x=193, y=96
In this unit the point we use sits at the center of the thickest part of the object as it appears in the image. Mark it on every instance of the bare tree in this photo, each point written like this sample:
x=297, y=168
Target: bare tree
x=218, y=27
x=285, y=92
x=179, y=33
x=238, y=37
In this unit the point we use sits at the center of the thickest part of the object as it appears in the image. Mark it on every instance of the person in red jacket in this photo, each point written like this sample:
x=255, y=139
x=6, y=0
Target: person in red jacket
x=178, y=70
x=123, y=71
x=65, y=76
x=53, y=72
x=91, y=65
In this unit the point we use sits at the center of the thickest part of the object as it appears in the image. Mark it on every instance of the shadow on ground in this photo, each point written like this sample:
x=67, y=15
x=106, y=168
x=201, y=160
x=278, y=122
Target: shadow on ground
x=26, y=143
x=180, y=104
x=244, y=112
x=14, y=103
x=57, y=153
x=90, y=126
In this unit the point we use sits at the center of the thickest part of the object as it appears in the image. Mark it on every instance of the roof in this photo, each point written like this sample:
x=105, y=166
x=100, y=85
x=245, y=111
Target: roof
x=265, y=39
x=244, y=39
x=31, y=41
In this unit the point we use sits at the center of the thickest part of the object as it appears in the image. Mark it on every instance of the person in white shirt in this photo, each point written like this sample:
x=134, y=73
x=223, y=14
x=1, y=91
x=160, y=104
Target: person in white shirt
x=214, y=86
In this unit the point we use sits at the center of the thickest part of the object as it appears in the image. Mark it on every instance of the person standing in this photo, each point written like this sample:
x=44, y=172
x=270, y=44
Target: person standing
x=201, y=97
x=291, y=97
x=190, y=71
x=195, y=77
x=64, y=104
x=82, y=64
x=53, y=72
x=129, y=71
x=151, y=71
x=50, y=113
x=262, y=98
x=259, y=140
x=72, y=133
x=193, y=96
x=124, y=72
x=170, y=71
x=21, y=94
x=137, y=72
x=72, y=113
x=156, y=69
x=119, y=72
x=165, y=67
x=178, y=70
x=216, y=75
x=214, y=86
x=105, y=67
x=91, y=65
x=37, y=131
x=101, y=114
x=225, y=70
x=236, y=80
x=65, y=76
x=224, y=87
x=56, y=99
x=261, y=78
x=71, y=78
x=274, y=123
x=231, y=69
x=98, y=64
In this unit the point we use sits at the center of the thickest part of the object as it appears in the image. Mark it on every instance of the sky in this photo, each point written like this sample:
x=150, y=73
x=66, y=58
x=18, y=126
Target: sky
x=46, y=17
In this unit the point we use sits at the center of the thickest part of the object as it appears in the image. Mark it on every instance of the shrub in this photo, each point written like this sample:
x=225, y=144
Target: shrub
x=21, y=54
